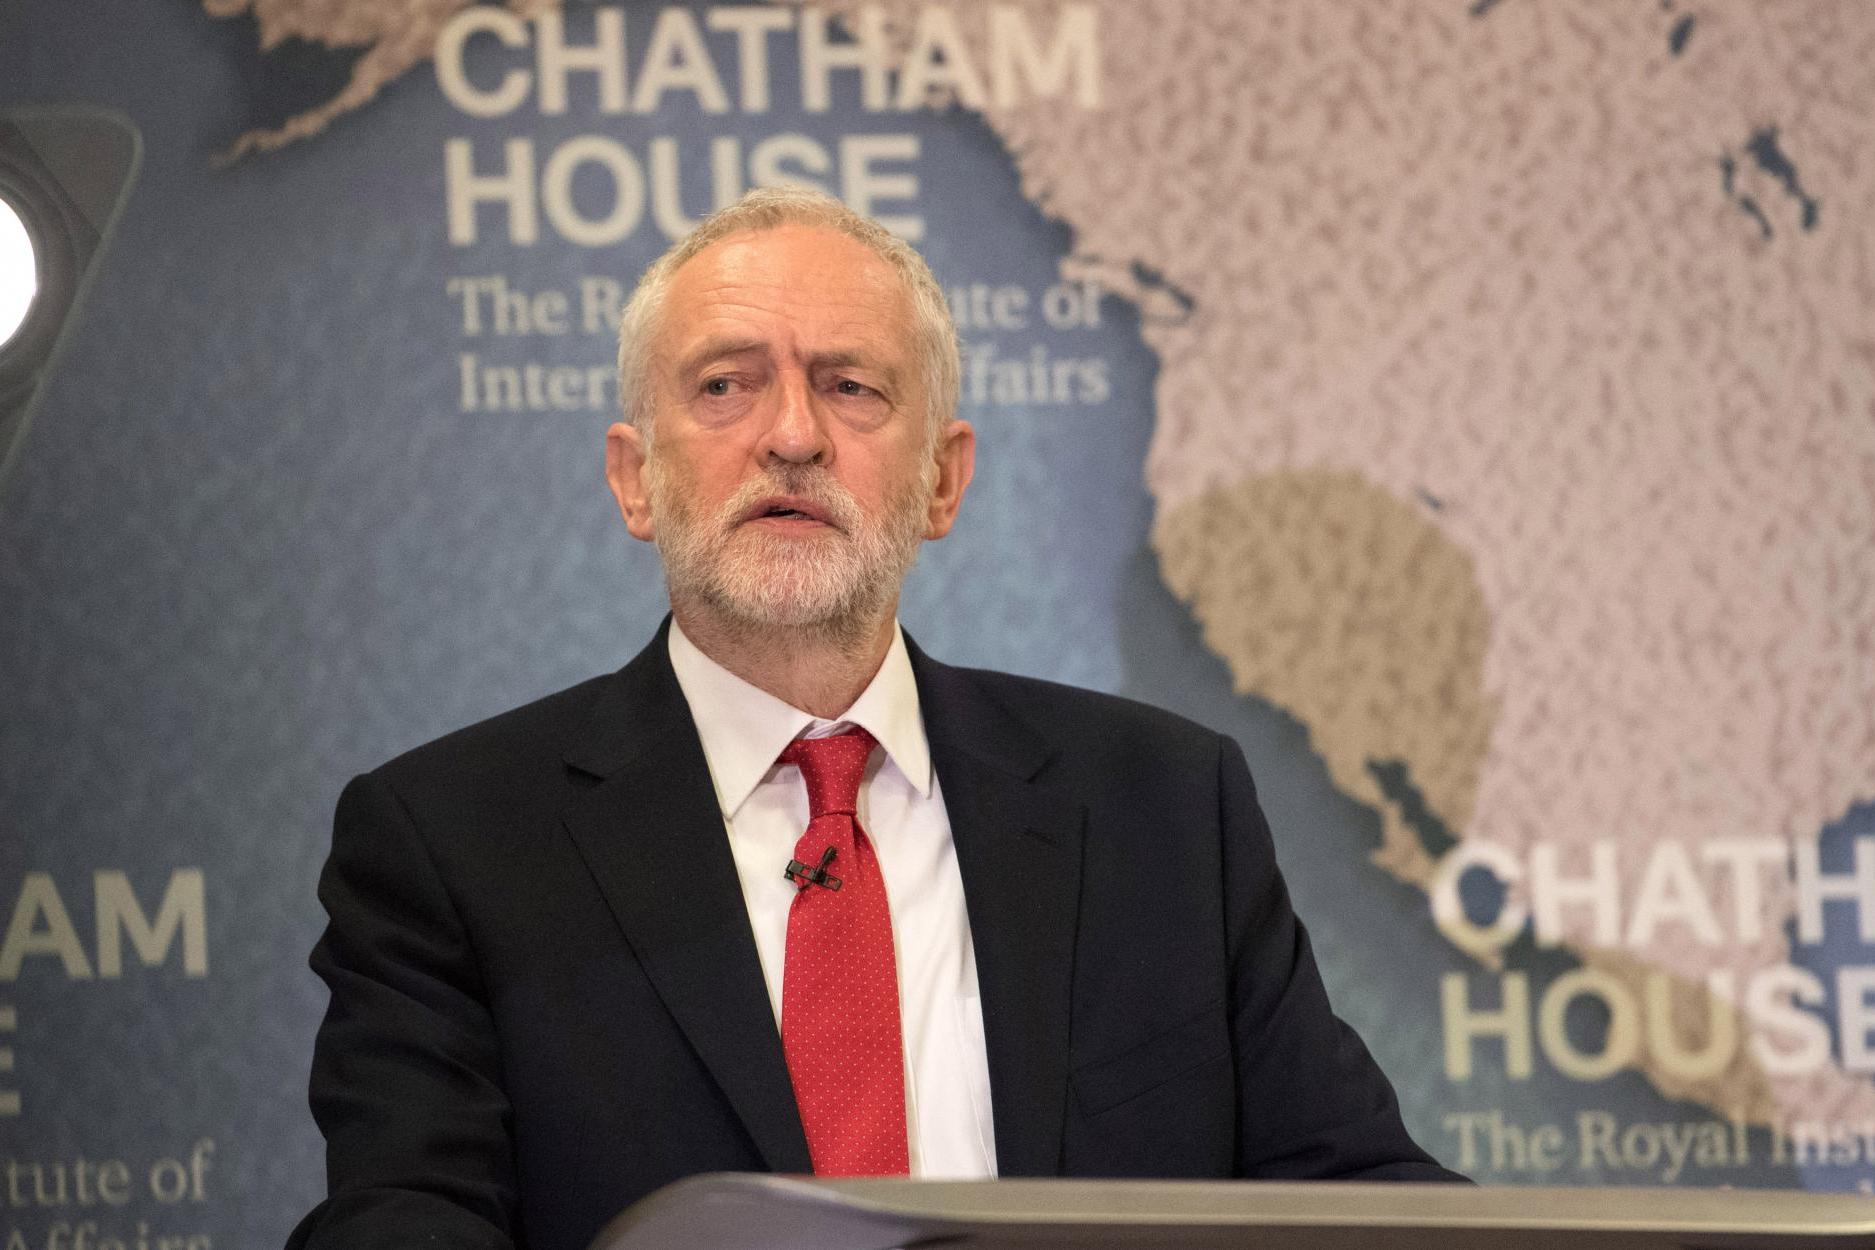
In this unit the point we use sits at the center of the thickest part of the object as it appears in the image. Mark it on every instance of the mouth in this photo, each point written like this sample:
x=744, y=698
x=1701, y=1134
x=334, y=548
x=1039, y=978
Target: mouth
x=789, y=511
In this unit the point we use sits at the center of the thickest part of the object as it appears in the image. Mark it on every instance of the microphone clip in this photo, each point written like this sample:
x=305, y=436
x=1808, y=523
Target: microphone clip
x=804, y=875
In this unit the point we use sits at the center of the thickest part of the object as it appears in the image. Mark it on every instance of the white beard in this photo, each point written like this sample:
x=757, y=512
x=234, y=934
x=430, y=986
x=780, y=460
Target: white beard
x=834, y=584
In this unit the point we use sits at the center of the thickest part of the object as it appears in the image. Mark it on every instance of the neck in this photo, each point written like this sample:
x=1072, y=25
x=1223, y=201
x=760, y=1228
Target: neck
x=821, y=670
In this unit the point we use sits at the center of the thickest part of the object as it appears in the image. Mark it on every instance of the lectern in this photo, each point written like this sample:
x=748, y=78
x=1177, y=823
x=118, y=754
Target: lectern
x=753, y=1212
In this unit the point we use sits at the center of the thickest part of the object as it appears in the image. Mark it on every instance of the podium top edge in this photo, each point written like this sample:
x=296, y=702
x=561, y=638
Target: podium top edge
x=1275, y=1204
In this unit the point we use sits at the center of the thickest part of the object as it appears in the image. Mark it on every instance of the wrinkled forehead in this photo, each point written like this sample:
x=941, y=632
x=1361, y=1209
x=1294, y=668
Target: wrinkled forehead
x=800, y=283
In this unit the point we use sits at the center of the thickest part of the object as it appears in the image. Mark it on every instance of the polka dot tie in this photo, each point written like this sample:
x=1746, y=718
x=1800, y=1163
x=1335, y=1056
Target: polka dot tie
x=839, y=985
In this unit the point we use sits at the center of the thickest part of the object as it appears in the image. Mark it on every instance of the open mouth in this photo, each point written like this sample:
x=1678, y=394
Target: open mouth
x=788, y=510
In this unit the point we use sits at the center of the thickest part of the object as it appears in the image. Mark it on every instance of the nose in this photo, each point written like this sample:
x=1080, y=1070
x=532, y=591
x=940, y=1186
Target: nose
x=795, y=434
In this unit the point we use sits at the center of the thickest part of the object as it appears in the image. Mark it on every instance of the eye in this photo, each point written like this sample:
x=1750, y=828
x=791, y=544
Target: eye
x=718, y=386
x=847, y=386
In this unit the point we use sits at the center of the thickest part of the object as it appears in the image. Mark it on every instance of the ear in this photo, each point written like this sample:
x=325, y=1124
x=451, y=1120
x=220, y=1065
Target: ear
x=625, y=474
x=956, y=462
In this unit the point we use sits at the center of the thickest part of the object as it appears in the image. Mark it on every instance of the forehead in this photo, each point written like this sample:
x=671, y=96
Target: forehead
x=798, y=288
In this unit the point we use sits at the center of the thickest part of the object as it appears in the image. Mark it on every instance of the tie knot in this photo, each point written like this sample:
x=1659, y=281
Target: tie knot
x=832, y=768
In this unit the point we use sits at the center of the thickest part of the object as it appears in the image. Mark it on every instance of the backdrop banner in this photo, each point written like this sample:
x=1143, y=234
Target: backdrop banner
x=1468, y=405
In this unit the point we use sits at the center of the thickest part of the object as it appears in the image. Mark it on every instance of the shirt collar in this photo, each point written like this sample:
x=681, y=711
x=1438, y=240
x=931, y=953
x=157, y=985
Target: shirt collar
x=744, y=728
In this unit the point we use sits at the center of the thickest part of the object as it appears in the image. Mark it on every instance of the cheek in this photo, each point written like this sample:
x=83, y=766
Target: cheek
x=903, y=473
x=699, y=486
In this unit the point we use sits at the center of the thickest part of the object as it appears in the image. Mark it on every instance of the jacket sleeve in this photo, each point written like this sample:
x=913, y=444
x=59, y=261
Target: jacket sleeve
x=406, y=1082
x=1312, y=1103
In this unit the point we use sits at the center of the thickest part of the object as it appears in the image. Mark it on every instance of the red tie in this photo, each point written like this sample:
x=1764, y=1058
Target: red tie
x=839, y=987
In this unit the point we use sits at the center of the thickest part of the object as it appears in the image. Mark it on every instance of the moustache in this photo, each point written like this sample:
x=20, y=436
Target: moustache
x=810, y=488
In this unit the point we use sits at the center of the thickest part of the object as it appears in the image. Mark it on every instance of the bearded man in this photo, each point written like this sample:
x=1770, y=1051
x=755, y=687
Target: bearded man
x=784, y=893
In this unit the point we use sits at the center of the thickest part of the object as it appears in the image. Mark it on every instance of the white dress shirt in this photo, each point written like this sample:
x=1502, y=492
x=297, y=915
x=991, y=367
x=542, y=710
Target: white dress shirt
x=744, y=728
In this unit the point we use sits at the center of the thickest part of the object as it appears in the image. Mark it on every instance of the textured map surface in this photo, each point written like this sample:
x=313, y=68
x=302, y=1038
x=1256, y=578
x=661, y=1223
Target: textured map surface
x=1516, y=421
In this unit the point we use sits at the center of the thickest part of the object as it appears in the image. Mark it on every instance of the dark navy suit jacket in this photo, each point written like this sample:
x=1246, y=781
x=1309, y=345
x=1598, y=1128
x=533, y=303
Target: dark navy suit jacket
x=546, y=999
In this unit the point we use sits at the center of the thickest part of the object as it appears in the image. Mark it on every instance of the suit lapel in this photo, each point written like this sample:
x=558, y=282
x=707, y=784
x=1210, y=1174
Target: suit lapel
x=1019, y=852
x=652, y=835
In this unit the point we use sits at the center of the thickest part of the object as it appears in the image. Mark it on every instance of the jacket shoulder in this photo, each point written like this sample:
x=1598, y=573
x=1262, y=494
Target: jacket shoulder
x=519, y=740
x=1078, y=722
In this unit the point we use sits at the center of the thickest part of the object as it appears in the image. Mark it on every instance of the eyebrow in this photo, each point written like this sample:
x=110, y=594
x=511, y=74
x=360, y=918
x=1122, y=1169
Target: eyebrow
x=848, y=359
x=716, y=349
x=720, y=348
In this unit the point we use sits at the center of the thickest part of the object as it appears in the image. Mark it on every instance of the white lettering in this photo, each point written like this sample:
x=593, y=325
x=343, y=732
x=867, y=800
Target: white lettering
x=627, y=193
x=1670, y=892
x=820, y=56
x=1511, y=1021
x=183, y=911
x=862, y=187
x=513, y=187
x=39, y=901
x=1815, y=887
x=770, y=160
x=1855, y=1018
x=1448, y=908
x=1744, y=859
x=453, y=78
x=752, y=24
x=1721, y=1028
x=1622, y=1041
x=938, y=58
x=1550, y=890
x=555, y=58
x=678, y=61
x=1016, y=56
x=1766, y=1006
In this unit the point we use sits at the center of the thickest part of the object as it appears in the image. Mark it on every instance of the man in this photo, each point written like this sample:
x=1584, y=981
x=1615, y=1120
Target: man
x=784, y=893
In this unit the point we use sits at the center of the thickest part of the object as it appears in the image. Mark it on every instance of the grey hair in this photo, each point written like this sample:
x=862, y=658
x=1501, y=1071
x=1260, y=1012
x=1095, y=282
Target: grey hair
x=767, y=208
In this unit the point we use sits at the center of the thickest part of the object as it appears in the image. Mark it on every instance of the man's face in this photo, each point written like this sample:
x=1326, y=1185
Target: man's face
x=792, y=473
